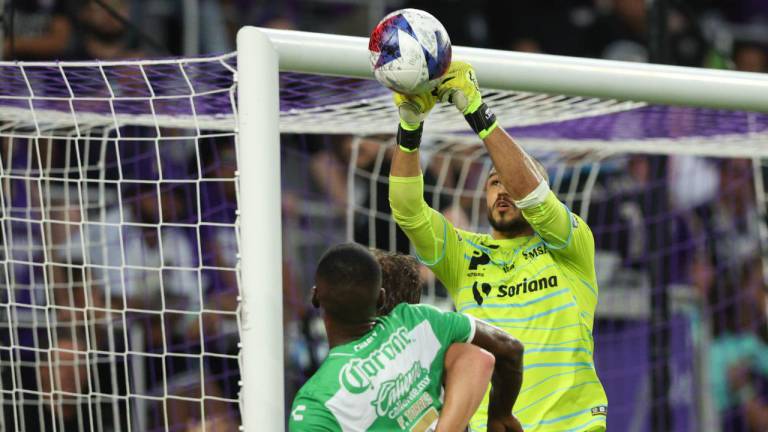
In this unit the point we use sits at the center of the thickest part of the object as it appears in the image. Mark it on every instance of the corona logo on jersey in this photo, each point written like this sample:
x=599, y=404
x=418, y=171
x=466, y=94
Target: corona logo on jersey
x=356, y=375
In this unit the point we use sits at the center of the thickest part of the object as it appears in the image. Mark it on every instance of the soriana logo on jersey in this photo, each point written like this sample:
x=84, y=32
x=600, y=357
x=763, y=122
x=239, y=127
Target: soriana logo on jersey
x=356, y=374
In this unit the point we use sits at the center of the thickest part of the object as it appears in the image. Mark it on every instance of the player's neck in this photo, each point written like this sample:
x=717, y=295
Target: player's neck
x=341, y=333
x=526, y=231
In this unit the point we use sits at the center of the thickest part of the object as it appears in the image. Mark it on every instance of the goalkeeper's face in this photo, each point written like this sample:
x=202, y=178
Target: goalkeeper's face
x=503, y=215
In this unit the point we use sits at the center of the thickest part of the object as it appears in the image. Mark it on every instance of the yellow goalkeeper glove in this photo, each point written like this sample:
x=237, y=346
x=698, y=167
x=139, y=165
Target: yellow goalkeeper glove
x=459, y=87
x=413, y=109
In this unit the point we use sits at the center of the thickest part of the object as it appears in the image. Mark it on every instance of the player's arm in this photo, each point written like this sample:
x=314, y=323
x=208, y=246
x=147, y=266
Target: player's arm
x=468, y=371
x=516, y=169
x=452, y=327
x=309, y=415
x=428, y=230
x=507, y=375
x=551, y=219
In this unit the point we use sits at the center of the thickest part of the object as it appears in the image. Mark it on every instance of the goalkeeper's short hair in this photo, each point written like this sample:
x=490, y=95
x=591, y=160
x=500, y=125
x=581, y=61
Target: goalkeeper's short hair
x=536, y=163
x=400, y=279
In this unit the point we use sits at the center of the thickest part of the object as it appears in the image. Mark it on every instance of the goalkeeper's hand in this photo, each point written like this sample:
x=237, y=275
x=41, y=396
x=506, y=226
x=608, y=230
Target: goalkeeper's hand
x=413, y=109
x=459, y=87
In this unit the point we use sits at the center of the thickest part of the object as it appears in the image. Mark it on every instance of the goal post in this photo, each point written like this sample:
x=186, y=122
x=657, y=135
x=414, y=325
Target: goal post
x=543, y=73
x=258, y=135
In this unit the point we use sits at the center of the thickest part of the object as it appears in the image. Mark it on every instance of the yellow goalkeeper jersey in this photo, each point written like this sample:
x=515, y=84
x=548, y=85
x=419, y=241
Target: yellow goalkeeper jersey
x=541, y=289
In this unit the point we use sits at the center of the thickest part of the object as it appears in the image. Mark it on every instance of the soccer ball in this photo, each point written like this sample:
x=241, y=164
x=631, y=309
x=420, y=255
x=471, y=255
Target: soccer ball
x=410, y=50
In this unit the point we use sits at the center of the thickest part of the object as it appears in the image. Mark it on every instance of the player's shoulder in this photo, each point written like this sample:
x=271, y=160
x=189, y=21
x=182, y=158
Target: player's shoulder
x=579, y=225
x=311, y=394
x=576, y=221
x=474, y=239
x=412, y=314
x=309, y=413
x=324, y=382
x=406, y=310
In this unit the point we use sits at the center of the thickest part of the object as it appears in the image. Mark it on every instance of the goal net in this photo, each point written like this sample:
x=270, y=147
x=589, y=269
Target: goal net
x=121, y=195
x=119, y=298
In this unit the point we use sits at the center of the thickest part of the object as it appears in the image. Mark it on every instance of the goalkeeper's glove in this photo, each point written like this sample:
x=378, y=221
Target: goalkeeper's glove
x=459, y=86
x=413, y=109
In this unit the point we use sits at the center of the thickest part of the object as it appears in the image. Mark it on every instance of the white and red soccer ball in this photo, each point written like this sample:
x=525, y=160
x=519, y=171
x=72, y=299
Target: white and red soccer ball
x=410, y=50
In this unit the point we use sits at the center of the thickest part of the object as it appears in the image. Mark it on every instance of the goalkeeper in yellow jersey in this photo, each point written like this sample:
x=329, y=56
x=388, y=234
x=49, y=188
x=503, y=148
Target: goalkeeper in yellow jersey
x=533, y=276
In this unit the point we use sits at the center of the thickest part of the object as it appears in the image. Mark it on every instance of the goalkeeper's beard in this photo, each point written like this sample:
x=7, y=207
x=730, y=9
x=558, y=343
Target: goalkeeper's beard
x=515, y=226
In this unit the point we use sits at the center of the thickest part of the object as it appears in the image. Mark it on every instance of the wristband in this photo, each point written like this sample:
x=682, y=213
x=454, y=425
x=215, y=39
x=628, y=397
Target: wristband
x=482, y=121
x=409, y=140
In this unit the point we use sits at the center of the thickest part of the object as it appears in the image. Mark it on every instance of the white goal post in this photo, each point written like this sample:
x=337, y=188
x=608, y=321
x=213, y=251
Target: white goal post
x=258, y=119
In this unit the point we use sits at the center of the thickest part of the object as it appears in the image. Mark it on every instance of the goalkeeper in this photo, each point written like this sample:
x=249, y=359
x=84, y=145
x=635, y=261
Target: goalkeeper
x=533, y=276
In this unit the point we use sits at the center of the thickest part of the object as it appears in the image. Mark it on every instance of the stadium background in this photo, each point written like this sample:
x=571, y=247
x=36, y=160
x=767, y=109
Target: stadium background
x=719, y=261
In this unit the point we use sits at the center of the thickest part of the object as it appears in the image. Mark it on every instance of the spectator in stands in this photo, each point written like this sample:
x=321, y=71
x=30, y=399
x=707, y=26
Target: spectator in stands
x=621, y=33
x=41, y=30
x=739, y=353
x=736, y=223
x=750, y=57
x=329, y=169
x=104, y=36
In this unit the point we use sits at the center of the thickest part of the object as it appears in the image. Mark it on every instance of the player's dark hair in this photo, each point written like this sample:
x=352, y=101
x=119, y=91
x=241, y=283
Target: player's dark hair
x=348, y=280
x=537, y=163
x=400, y=279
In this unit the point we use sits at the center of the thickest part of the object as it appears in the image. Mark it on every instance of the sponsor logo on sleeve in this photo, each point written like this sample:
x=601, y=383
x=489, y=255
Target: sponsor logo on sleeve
x=600, y=410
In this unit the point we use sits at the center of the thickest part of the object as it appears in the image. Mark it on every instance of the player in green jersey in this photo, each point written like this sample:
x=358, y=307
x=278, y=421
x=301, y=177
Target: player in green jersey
x=533, y=275
x=386, y=373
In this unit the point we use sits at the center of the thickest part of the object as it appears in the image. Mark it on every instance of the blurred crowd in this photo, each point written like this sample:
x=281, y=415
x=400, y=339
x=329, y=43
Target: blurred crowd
x=710, y=33
x=713, y=239
x=123, y=296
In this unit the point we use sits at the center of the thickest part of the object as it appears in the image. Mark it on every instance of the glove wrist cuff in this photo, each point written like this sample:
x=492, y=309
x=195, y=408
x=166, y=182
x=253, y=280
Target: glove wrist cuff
x=482, y=120
x=409, y=140
x=410, y=126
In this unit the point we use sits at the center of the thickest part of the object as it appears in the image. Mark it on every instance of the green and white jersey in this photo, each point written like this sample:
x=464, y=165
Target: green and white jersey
x=390, y=379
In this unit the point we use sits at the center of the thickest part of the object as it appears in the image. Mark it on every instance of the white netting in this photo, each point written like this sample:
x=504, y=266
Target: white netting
x=118, y=307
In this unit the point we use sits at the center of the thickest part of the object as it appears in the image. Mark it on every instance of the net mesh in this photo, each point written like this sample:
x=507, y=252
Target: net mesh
x=119, y=281
x=119, y=284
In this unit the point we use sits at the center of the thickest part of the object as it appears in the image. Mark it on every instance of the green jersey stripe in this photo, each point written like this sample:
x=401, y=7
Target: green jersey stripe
x=588, y=285
x=552, y=393
x=472, y=305
x=570, y=372
x=532, y=317
x=565, y=327
x=557, y=419
x=554, y=364
x=527, y=343
x=562, y=349
x=580, y=428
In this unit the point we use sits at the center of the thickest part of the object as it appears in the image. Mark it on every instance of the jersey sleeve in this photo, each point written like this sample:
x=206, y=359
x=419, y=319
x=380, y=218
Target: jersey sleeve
x=435, y=239
x=310, y=415
x=565, y=234
x=449, y=327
